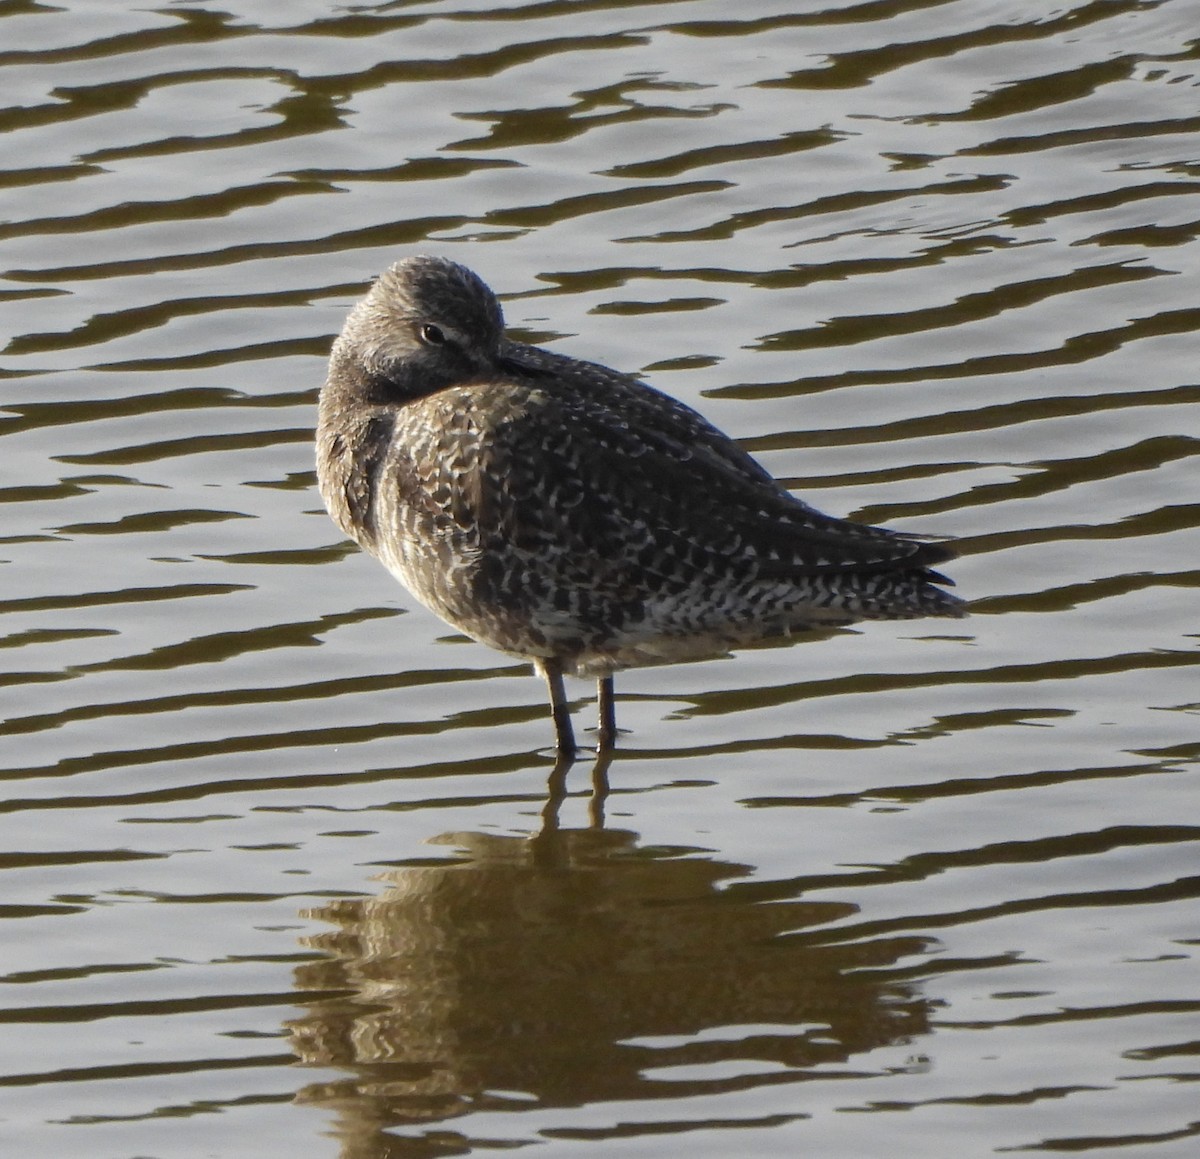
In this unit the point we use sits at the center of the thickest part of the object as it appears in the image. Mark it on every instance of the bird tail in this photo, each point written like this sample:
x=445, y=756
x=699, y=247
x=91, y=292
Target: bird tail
x=902, y=595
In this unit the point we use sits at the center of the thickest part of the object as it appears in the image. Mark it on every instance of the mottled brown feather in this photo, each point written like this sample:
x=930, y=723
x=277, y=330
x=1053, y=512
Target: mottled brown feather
x=565, y=512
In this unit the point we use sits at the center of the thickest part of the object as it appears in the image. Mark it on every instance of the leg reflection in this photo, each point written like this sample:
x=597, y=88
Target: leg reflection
x=556, y=793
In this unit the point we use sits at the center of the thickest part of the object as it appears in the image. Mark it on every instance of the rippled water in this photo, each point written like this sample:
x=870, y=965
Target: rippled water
x=279, y=870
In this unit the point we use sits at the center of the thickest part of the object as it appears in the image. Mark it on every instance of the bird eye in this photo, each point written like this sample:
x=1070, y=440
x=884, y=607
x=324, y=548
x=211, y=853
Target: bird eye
x=431, y=335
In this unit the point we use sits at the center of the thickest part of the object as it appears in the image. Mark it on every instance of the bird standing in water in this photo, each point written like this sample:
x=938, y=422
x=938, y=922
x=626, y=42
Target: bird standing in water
x=569, y=514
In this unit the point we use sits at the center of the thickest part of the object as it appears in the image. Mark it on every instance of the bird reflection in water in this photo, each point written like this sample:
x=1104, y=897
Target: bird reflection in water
x=575, y=968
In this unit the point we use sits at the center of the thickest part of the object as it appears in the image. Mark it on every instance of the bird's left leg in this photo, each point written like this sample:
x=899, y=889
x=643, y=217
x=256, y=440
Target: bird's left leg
x=606, y=733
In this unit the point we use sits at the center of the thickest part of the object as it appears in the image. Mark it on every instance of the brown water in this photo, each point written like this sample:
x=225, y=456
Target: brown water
x=276, y=876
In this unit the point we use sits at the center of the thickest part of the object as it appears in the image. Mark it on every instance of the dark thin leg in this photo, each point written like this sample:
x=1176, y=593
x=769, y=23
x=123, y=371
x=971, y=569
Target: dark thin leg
x=564, y=735
x=606, y=733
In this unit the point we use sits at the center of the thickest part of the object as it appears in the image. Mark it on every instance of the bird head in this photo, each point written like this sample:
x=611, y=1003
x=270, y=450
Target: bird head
x=425, y=323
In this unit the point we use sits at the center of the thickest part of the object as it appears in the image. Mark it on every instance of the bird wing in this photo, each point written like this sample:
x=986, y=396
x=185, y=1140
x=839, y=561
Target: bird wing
x=631, y=463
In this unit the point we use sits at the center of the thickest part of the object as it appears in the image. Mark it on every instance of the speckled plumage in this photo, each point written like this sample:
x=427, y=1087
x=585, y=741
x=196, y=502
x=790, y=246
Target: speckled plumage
x=569, y=514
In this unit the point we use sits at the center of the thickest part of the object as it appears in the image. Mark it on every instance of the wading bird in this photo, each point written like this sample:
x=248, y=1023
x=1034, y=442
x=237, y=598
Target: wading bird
x=570, y=514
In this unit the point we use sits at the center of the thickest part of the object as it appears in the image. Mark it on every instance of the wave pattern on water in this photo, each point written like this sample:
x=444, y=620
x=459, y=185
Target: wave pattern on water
x=930, y=261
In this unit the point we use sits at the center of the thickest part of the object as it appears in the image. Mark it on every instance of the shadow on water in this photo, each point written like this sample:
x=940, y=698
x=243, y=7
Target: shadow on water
x=577, y=966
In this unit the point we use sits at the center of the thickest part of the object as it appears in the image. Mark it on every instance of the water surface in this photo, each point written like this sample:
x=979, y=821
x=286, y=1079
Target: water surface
x=278, y=867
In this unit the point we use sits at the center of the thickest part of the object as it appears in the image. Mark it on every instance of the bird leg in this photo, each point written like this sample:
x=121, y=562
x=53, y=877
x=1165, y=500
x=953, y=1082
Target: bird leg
x=564, y=735
x=606, y=732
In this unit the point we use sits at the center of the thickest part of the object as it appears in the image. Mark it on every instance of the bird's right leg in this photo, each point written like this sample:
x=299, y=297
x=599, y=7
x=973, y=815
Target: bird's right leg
x=564, y=735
